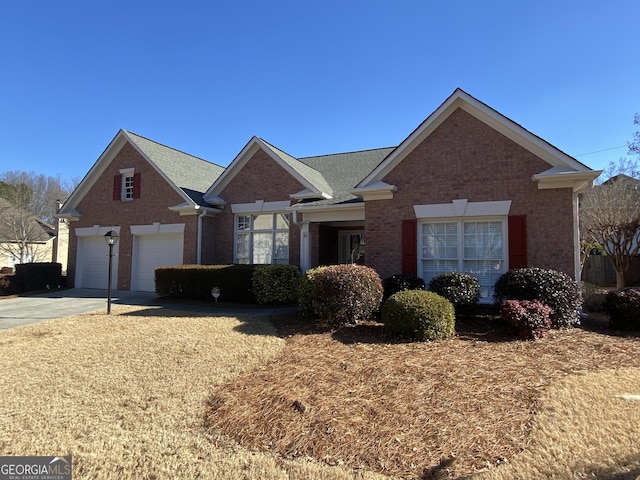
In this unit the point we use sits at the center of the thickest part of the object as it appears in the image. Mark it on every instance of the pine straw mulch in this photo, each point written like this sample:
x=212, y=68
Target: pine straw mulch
x=351, y=397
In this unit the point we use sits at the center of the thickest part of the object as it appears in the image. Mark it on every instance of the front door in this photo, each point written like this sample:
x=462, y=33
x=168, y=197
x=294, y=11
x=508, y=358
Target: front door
x=351, y=246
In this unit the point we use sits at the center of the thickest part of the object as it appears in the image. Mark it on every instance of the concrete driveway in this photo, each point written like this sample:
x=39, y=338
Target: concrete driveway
x=18, y=311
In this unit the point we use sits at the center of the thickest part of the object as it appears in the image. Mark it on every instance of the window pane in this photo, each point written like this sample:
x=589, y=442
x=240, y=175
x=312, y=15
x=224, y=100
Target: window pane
x=440, y=240
x=433, y=268
x=243, y=222
x=242, y=248
x=263, y=222
x=282, y=221
x=487, y=272
x=282, y=248
x=483, y=240
x=262, y=248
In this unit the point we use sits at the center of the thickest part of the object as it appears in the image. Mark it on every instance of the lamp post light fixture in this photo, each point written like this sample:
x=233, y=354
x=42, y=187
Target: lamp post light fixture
x=111, y=237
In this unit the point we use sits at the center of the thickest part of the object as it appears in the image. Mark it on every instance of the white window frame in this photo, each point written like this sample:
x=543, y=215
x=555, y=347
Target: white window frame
x=486, y=291
x=252, y=232
x=126, y=189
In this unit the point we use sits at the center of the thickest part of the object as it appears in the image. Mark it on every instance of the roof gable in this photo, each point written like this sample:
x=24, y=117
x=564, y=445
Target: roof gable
x=188, y=175
x=558, y=161
x=314, y=182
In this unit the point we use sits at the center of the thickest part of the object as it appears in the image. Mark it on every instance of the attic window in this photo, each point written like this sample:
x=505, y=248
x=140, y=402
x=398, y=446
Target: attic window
x=126, y=185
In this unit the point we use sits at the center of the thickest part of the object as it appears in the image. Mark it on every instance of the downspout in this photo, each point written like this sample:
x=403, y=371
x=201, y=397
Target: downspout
x=199, y=237
x=576, y=239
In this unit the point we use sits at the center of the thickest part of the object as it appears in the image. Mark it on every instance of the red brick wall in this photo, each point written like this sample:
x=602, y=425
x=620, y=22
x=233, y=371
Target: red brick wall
x=261, y=179
x=156, y=196
x=464, y=158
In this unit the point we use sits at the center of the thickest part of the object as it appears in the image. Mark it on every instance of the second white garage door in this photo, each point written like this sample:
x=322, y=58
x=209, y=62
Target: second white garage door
x=151, y=252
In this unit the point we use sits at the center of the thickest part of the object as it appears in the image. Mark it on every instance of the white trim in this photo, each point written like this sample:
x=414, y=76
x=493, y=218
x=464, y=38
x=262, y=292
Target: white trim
x=351, y=212
x=96, y=230
x=125, y=171
x=376, y=191
x=555, y=178
x=157, y=228
x=463, y=208
x=308, y=194
x=260, y=206
x=485, y=114
x=185, y=209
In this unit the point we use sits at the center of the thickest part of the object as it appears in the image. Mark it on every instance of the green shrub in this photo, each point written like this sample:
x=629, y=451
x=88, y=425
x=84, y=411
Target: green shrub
x=623, y=308
x=461, y=289
x=530, y=318
x=35, y=276
x=344, y=294
x=196, y=281
x=555, y=289
x=305, y=293
x=418, y=315
x=275, y=283
x=400, y=283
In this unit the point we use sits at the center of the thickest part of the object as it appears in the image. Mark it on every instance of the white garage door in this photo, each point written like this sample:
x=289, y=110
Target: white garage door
x=151, y=252
x=92, y=263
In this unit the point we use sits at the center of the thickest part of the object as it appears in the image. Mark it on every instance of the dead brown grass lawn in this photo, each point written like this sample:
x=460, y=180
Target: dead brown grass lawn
x=450, y=408
x=125, y=395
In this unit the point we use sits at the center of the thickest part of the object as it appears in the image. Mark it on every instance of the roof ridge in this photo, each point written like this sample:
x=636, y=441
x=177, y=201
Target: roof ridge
x=348, y=153
x=171, y=148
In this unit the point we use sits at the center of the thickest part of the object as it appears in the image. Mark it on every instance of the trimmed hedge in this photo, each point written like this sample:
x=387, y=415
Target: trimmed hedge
x=196, y=281
x=400, y=283
x=31, y=277
x=418, y=315
x=305, y=293
x=343, y=294
x=623, y=308
x=461, y=289
x=555, y=289
x=275, y=283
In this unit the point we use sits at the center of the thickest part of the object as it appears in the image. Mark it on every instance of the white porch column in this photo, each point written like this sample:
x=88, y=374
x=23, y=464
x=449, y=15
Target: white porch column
x=305, y=247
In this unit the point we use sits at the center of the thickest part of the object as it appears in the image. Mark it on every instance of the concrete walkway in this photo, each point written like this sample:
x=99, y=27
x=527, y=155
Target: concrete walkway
x=29, y=309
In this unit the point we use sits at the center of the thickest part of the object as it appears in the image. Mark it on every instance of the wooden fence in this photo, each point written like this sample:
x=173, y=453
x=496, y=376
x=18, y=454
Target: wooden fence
x=599, y=270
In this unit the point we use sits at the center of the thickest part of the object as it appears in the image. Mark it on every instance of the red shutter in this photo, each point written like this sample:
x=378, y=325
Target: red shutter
x=136, y=185
x=117, y=187
x=409, y=247
x=517, y=241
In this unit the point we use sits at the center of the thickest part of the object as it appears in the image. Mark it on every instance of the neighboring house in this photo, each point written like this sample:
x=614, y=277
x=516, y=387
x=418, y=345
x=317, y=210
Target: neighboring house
x=468, y=190
x=23, y=238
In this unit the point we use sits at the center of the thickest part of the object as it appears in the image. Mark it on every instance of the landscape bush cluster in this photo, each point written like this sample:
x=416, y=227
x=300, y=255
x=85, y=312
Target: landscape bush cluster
x=623, y=308
x=400, y=282
x=275, y=284
x=552, y=288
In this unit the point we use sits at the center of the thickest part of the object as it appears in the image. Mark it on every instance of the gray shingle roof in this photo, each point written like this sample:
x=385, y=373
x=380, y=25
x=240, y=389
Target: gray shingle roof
x=343, y=171
x=191, y=174
x=312, y=175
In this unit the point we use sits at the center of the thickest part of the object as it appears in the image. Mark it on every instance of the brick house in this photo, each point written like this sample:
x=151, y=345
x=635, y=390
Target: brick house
x=468, y=190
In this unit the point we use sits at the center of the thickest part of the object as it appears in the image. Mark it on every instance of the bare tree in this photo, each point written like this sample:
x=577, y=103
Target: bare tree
x=610, y=215
x=36, y=192
x=21, y=234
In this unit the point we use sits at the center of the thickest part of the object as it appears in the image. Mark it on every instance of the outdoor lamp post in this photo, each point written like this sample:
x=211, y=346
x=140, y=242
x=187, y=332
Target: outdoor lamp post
x=111, y=237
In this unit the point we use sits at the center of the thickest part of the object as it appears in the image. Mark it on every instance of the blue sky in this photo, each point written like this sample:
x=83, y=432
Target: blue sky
x=310, y=77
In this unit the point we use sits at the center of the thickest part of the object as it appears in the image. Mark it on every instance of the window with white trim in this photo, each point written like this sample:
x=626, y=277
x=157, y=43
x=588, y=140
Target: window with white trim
x=127, y=186
x=262, y=238
x=473, y=246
